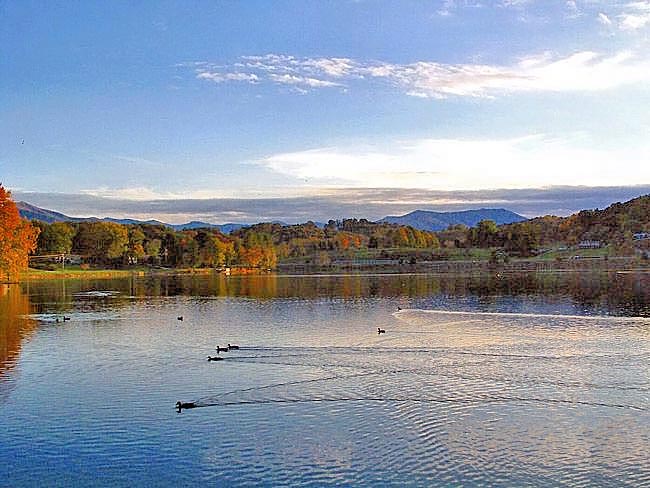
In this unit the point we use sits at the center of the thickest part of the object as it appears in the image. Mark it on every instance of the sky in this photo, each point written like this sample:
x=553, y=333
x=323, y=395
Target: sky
x=297, y=110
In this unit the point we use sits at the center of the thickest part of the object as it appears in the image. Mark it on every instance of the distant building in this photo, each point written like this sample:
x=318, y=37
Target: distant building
x=590, y=245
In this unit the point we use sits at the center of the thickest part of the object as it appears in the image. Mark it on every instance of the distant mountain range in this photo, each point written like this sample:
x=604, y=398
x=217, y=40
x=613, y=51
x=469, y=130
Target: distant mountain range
x=436, y=221
x=420, y=219
x=32, y=212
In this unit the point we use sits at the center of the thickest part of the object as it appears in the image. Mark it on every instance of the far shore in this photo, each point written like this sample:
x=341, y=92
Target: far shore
x=467, y=266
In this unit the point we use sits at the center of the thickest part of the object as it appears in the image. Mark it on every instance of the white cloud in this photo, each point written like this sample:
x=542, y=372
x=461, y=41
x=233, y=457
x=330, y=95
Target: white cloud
x=336, y=67
x=515, y=3
x=604, y=19
x=581, y=71
x=457, y=164
x=134, y=193
x=449, y=7
x=287, y=79
x=223, y=77
x=573, y=9
x=636, y=15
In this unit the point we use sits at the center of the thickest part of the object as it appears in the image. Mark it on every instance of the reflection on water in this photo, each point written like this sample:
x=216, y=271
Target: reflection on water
x=513, y=380
x=15, y=324
x=584, y=293
x=15, y=328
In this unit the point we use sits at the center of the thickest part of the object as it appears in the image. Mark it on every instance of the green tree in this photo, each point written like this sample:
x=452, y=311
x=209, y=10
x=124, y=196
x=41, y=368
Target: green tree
x=101, y=242
x=135, y=248
x=56, y=238
x=152, y=250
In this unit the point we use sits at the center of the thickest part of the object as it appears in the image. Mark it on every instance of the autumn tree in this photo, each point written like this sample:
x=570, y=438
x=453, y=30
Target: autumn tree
x=55, y=238
x=17, y=237
x=224, y=251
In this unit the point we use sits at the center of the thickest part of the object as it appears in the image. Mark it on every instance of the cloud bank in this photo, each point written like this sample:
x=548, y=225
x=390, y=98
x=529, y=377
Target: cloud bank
x=457, y=164
x=586, y=71
x=371, y=203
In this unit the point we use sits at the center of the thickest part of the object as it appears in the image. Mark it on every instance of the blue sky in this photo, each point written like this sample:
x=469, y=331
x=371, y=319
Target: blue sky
x=247, y=111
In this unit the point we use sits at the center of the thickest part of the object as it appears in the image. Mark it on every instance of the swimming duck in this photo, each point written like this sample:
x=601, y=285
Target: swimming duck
x=220, y=349
x=381, y=331
x=215, y=358
x=399, y=308
x=65, y=318
x=232, y=347
x=179, y=318
x=181, y=405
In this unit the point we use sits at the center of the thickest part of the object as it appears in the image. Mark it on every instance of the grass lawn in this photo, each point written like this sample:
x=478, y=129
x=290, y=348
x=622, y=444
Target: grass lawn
x=75, y=271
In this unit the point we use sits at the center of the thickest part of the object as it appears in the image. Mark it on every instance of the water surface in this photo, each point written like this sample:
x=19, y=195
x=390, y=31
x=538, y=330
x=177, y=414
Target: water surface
x=514, y=380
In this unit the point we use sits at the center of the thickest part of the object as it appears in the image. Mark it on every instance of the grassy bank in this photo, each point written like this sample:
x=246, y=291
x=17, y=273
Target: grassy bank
x=76, y=272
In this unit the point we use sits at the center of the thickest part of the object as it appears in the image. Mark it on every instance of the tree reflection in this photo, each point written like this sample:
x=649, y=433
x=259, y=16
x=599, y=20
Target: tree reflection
x=15, y=328
x=597, y=292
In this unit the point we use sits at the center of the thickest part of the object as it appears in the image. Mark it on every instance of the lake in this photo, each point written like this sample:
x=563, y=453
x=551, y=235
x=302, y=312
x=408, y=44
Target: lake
x=504, y=379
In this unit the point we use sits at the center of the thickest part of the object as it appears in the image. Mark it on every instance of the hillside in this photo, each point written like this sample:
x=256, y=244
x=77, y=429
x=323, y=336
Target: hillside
x=32, y=212
x=437, y=221
x=614, y=224
x=624, y=227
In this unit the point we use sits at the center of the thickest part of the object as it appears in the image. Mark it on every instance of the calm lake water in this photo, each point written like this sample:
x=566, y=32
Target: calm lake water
x=514, y=380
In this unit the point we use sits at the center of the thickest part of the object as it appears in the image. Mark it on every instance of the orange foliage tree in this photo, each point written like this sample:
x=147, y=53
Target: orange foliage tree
x=17, y=237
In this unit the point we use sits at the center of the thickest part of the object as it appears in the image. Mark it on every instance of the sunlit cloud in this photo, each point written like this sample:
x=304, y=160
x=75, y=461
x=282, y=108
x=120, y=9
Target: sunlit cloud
x=456, y=164
x=139, y=193
x=371, y=203
x=583, y=71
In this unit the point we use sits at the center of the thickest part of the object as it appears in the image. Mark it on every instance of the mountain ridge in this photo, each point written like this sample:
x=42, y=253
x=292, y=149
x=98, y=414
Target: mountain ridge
x=32, y=212
x=437, y=221
x=419, y=219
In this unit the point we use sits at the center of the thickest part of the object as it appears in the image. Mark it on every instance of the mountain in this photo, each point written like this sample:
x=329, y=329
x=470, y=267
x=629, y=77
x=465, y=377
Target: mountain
x=195, y=224
x=420, y=219
x=32, y=212
x=436, y=221
x=122, y=221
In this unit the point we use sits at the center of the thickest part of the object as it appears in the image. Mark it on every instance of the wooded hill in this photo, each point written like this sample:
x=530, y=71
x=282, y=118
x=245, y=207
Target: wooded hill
x=615, y=226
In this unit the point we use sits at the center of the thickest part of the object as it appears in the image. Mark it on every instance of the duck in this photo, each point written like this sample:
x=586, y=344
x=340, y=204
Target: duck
x=180, y=318
x=381, y=331
x=181, y=405
x=399, y=308
x=232, y=347
x=65, y=318
x=215, y=358
x=219, y=349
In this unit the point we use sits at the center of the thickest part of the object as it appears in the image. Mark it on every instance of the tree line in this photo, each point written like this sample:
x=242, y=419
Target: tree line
x=263, y=245
x=260, y=245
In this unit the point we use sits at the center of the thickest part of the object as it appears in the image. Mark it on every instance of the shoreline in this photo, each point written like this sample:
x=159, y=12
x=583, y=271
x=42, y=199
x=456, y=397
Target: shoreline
x=37, y=274
x=624, y=264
